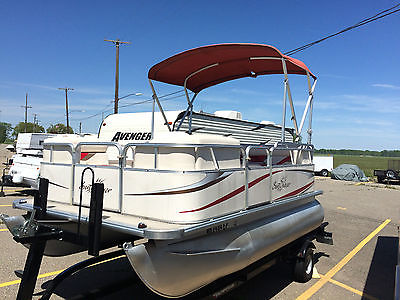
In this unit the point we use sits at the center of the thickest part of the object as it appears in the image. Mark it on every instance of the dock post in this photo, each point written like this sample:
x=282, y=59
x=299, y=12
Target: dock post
x=36, y=250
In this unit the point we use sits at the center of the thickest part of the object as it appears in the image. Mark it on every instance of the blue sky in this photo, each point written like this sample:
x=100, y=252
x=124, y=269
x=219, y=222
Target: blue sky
x=50, y=44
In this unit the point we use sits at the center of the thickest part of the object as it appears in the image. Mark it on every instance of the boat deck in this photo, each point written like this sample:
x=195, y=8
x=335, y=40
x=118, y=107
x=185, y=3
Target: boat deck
x=159, y=230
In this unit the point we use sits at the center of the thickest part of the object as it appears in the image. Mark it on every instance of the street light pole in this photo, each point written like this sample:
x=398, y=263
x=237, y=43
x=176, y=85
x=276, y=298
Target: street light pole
x=66, y=89
x=116, y=43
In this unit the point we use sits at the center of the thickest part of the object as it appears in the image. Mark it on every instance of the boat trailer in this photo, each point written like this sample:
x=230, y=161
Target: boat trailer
x=36, y=232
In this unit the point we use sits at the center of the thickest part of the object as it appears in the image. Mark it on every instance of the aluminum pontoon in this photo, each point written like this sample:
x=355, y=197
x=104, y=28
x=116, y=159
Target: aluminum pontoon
x=187, y=207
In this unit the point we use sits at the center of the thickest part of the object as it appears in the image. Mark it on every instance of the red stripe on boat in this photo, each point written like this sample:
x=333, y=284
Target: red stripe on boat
x=286, y=159
x=257, y=158
x=231, y=194
x=298, y=191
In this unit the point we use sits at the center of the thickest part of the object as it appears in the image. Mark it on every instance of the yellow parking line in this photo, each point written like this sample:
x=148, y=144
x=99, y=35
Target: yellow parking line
x=312, y=290
x=3, y=229
x=10, y=283
x=15, y=190
x=5, y=205
x=54, y=273
x=349, y=288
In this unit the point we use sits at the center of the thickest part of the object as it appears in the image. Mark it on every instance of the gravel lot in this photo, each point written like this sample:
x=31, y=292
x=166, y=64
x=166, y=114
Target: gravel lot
x=353, y=210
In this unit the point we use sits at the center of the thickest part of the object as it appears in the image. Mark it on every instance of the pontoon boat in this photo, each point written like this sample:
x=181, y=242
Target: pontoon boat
x=187, y=207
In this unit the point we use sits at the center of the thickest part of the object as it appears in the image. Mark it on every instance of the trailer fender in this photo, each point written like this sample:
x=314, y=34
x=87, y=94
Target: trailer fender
x=306, y=245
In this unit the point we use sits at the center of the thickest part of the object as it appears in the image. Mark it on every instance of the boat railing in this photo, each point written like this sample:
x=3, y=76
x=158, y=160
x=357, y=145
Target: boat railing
x=61, y=146
x=123, y=150
x=157, y=146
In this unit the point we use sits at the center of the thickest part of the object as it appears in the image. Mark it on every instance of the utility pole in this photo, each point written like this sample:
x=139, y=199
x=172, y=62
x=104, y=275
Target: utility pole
x=26, y=110
x=34, y=119
x=66, y=89
x=116, y=43
x=80, y=127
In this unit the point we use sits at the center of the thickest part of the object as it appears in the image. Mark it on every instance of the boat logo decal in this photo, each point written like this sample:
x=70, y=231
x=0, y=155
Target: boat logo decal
x=298, y=191
x=143, y=136
x=281, y=184
x=87, y=187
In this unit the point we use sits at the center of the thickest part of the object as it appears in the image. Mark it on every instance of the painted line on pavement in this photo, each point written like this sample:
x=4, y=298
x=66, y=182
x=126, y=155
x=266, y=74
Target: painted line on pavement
x=349, y=288
x=3, y=205
x=3, y=229
x=10, y=192
x=320, y=283
x=14, y=282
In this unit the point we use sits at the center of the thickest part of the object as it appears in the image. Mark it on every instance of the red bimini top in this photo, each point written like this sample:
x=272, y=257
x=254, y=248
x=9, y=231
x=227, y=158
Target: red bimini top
x=210, y=65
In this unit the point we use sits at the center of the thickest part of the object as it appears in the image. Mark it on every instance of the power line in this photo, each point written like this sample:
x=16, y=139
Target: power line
x=379, y=15
x=365, y=21
x=105, y=109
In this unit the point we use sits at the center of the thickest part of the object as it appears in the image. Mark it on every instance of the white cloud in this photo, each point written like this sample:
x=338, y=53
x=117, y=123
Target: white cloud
x=366, y=103
x=386, y=86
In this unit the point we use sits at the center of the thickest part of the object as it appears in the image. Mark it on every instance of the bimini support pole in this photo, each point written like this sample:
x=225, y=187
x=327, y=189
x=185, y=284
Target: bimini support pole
x=309, y=131
x=189, y=108
x=290, y=97
x=160, y=108
x=308, y=104
x=284, y=111
x=190, y=103
x=152, y=117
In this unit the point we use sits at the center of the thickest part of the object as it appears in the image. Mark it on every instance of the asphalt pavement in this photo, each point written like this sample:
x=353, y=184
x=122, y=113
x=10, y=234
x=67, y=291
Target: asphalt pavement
x=364, y=219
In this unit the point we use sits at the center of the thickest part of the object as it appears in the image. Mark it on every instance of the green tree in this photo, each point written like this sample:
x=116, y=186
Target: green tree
x=5, y=130
x=30, y=128
x=59, y=128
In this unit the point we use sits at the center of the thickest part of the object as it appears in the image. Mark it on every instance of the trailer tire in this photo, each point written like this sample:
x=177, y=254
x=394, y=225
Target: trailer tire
x=390, y=174
x=303, y=268
x=324, y=173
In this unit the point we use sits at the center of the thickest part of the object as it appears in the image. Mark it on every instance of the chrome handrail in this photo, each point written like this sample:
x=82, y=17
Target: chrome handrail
x=123, y=149
x=172, y=145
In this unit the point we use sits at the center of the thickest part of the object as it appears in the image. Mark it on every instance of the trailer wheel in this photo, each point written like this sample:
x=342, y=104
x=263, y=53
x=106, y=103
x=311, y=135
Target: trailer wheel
x=324, y=173
x=390, y=174
x=303, y=267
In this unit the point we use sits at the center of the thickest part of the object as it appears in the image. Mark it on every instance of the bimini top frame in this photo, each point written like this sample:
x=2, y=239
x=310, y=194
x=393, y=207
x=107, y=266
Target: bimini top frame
x=203, y=67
